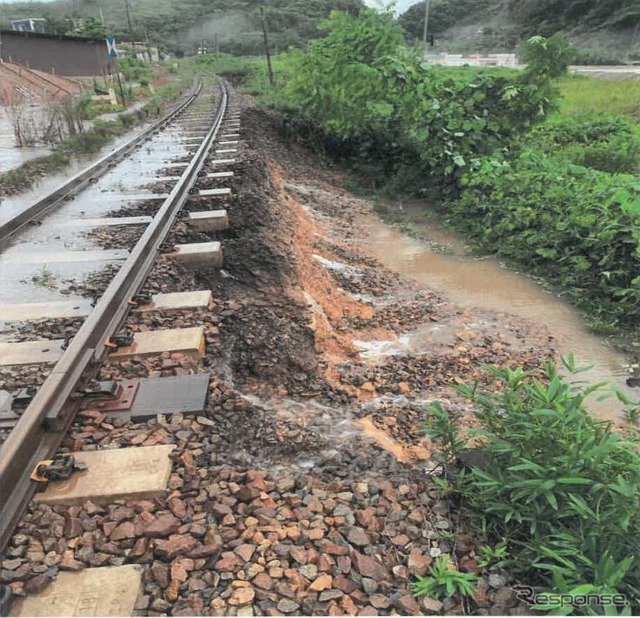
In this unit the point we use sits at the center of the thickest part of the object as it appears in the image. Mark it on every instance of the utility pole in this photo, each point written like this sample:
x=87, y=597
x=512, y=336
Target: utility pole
x=126, y=8
x=266, y=47
x=427, y=5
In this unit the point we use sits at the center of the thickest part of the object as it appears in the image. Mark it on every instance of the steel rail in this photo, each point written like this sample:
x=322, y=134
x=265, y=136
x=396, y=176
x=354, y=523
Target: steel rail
x=43, y=424
x=95, y=170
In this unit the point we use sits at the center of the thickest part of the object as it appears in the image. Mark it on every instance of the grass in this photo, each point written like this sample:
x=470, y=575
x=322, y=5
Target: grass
x=605, y=95
x=44, y=278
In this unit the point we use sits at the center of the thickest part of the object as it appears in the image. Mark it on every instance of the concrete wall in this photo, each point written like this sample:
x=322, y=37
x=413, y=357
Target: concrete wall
x=62, y=55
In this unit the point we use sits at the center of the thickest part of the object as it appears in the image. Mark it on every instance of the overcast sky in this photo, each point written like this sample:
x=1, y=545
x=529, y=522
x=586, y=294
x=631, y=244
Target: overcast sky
x=401, y=5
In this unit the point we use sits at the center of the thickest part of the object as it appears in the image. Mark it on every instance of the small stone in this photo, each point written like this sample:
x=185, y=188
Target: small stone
x=242, y=596
x=343, y=583
x=324, y=582
x=160, y=572
x=161, y=527
x=401, y=571
x=125, y=530
x=431, y=606
x=287, y=606
x=310, y=571
x=418, y=564
x=263, y=581
x=160, y=605
x=330, y=595
x=369, y=585
x=37, y=584
x=245, y=551
x=497, y=581
x=357, y=536
x=348, y=606
x=401, y=540
x=335, y=550
x=368, y=567
x=178, y=572
x=173, y=590
x=174, y=546
x=344, y=564
x=505, y=597
x=379, y=601
x=408, y=604
x=368, y=611
x=299, y=554
x=204, y=551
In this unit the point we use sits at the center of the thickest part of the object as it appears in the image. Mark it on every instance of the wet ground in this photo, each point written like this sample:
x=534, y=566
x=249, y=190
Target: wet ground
x=439, y=259
x=10, y=156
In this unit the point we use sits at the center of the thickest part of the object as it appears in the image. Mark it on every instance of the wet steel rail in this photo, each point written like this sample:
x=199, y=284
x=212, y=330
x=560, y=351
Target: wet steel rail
x=42, y=426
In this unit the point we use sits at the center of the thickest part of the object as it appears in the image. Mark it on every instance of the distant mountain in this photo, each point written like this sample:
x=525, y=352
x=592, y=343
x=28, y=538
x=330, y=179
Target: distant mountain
x=501, y=24
x=181, y=26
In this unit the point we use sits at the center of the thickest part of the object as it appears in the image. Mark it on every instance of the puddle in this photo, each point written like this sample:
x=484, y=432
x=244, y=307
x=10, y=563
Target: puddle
x=484, y=284
x=10, y=156
x=12, y=205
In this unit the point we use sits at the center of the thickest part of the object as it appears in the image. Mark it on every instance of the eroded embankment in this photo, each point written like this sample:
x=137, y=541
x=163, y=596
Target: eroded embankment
x=304, y=487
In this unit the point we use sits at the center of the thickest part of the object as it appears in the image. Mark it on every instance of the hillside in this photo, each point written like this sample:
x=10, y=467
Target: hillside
x=182, y=26
x=500, y=24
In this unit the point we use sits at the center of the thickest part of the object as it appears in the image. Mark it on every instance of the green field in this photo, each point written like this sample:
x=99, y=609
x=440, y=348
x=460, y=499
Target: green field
x=605, y=95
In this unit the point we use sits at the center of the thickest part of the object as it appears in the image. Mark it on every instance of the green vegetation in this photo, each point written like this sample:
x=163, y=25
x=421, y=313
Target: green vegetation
x=360, y=93
x=575, y=226
x=557, y=489
x=610, y=96
x=44, y=278
x=444, y=581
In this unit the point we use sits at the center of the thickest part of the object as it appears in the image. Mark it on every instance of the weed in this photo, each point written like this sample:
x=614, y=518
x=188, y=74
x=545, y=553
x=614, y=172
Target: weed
x=559, y=489
x=44, y=278
x=444, y=581
x=493, y=557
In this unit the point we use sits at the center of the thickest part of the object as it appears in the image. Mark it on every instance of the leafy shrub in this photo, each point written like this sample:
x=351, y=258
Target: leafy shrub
x=601, y=141
x=577, y=227
x=559, y=488
x=370, y=97
x=597, y=56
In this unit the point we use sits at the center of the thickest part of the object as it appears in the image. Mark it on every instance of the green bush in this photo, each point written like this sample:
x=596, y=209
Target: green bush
x=602, y=141
x=561, y=489
x=577, y=227
x=366, y=95
x=597, y=56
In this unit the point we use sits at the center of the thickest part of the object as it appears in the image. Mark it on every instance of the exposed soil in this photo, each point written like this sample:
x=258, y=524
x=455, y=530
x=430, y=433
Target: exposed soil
x=304, y=488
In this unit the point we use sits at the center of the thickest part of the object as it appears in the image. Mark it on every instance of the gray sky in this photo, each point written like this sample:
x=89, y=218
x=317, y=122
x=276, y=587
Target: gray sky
x=401, y=5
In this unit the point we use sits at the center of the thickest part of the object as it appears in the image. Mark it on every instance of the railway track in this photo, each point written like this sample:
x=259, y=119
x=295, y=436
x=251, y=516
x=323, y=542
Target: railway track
x=200, y=135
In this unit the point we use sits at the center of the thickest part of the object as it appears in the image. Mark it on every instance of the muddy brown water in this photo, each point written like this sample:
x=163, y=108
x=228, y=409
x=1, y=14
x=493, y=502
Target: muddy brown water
x=440, y=261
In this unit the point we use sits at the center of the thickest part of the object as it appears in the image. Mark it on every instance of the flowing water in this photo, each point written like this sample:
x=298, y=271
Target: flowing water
x=487, y=285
